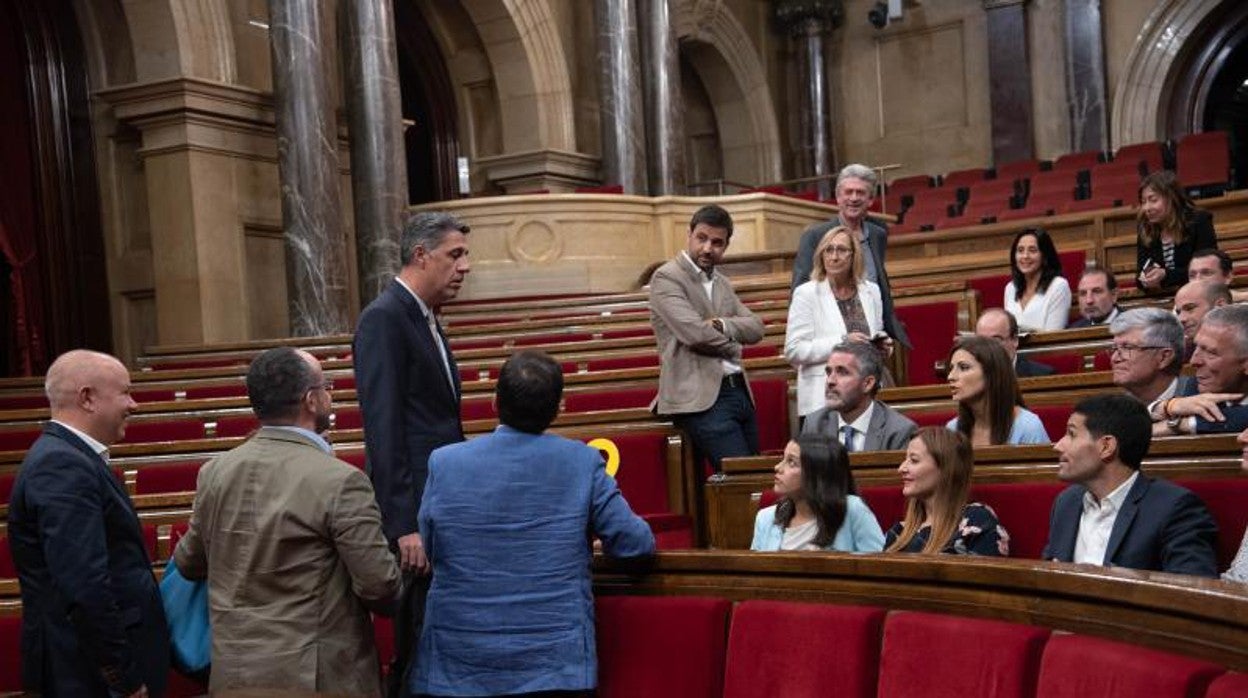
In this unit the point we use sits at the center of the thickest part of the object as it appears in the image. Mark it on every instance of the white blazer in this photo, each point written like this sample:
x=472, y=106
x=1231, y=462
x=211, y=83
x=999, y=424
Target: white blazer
x=815, y=326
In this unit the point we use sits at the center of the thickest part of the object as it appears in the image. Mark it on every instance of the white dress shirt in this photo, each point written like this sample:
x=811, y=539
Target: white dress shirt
x=708, y=283
x=1045, y=311
x=100, y=449
x=1097, y=523
x=860, y=427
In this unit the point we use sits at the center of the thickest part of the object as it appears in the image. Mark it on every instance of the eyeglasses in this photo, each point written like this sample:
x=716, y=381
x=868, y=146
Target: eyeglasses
x=838, y=251
x=1131, y=349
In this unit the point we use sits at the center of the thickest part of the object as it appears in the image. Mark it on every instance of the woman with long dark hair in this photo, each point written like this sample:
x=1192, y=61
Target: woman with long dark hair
x=990, y=404
x=1170, y=228
x=818, y=507
x=1037, y=295
x=936, y=480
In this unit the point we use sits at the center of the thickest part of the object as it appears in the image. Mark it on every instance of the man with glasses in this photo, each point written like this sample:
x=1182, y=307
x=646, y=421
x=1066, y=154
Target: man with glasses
x=1216, y=403
x=289, y=539
x=1145, y=359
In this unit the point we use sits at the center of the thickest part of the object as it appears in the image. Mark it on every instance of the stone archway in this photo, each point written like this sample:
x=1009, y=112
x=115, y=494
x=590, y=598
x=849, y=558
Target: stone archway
x=726, y=59
x=1141, y=97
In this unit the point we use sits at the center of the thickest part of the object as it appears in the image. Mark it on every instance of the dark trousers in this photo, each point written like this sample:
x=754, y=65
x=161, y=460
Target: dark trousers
x=728, y=428
x=408, y=621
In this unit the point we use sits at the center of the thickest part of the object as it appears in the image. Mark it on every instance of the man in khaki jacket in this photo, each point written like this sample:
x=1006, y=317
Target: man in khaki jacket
x=700, y=325
x=290, y=541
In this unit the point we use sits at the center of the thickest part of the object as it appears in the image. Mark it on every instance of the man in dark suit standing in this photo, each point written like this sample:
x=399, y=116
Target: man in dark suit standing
x=1112, y=514
x=408, y=387
x=855, y=189
x=92, y=619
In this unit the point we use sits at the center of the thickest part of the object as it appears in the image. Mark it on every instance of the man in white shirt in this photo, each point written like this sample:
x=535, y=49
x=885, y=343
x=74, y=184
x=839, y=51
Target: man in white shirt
x=1114, y=515
x=852, y=415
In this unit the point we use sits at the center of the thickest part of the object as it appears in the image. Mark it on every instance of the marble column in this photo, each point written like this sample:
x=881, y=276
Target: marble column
x=378, y=163
x=621, y=117
x=665, y=122
x=1085, y=75
x=1009, y=81
x=809, y=22
x=307, y=137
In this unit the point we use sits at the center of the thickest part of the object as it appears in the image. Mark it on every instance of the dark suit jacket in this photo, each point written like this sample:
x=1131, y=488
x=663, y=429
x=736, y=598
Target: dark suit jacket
x=1236, y=415
x=877, y=240
x=889, y=429
x=92, y=618
x=408, y=406
x=1030, y=369
x=1161, y=526
x=1198, y=234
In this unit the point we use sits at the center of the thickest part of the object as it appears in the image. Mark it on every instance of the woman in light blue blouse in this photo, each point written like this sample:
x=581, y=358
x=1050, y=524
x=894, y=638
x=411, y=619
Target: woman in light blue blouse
x=818, y=509
x=990, y=405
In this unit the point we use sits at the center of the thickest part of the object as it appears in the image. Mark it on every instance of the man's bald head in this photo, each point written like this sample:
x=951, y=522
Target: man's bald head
x=1196, y=298
x=90, y=391
x=999, y=325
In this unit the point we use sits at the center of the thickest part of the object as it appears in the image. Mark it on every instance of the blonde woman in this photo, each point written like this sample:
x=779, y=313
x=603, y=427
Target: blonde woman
x=936, y=480
x=838, y=304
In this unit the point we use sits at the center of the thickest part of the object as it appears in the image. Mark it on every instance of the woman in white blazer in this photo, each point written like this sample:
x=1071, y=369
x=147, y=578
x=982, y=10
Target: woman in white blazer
x=835, y=306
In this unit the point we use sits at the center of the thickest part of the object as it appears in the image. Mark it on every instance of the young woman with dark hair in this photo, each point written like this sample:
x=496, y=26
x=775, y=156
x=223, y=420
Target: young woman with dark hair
x=1037, y=295
x=818, y=507
x=1170, y=228
x=990, y=404
x=936, y=480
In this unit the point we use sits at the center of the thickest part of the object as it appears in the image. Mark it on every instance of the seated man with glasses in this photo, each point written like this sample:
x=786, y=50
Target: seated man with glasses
x=1147, y=354
x=1215, y=403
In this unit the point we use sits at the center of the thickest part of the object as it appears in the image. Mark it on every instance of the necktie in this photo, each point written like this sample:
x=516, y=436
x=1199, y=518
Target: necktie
x=847, y=437
x=437, y=340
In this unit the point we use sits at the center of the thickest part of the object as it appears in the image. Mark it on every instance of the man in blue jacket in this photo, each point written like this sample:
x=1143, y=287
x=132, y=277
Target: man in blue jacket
x=504, y=521
x=1112, y=514
x=92, y=619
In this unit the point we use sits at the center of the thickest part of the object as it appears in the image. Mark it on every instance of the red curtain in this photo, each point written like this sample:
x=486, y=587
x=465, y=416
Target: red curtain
x=18, y=224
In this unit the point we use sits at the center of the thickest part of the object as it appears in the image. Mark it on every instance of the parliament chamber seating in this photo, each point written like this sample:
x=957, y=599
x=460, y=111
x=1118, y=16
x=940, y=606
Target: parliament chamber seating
x=1203, y=162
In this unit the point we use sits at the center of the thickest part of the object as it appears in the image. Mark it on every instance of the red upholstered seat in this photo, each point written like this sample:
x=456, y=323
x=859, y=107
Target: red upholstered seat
x=554, y=338
x=661, y=647
x=1078, y=161
x=150, y=537
x=771, y=406
x=762, y=351
x=19, y=439
x=642, y=475
x=207, y=391
x=10, y=653
x=348, y=418
x=6, y=486
x=1204, y=159
x=1019, y=169
x=1229, y=685
x=671, y=531
x=991, y=288
x=355, y=458
x=937, y=324
x=158, y=478
x=383, y=636
x=964, y=178
x=637, y=361
x=618, y=399
x=1152, y=154
x=932, y=418
x=1023, y=509
x=802, y=650
x=183, y=364
x=181, y=687
x=24, y=402
x=933, y=655
x=1075, y=666
x=1072, y=265
x=629, y=332
x=480, y=408
x=1063, y=362
x=164, y=430
x=886, y=502
x=237, y=425
x=7, y=569
x=1226, y=499
x=1054, y=419
x=602, y=189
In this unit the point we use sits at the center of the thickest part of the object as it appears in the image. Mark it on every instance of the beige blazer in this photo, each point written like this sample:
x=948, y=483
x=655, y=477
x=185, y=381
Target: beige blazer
x=290, y=540
x=815, y=326
x=690, y=349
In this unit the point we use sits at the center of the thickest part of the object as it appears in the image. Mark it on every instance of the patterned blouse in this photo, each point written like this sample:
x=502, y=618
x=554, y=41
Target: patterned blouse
x=979, y=533
x=854, y=316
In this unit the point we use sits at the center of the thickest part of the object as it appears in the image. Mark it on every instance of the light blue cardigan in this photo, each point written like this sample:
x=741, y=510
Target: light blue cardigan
x=859, y=533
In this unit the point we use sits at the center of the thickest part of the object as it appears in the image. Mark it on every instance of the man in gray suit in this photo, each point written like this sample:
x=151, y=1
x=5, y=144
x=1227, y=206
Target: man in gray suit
x=700, y=326
x=853, y=416
x=855, y=189
x=290, y=540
